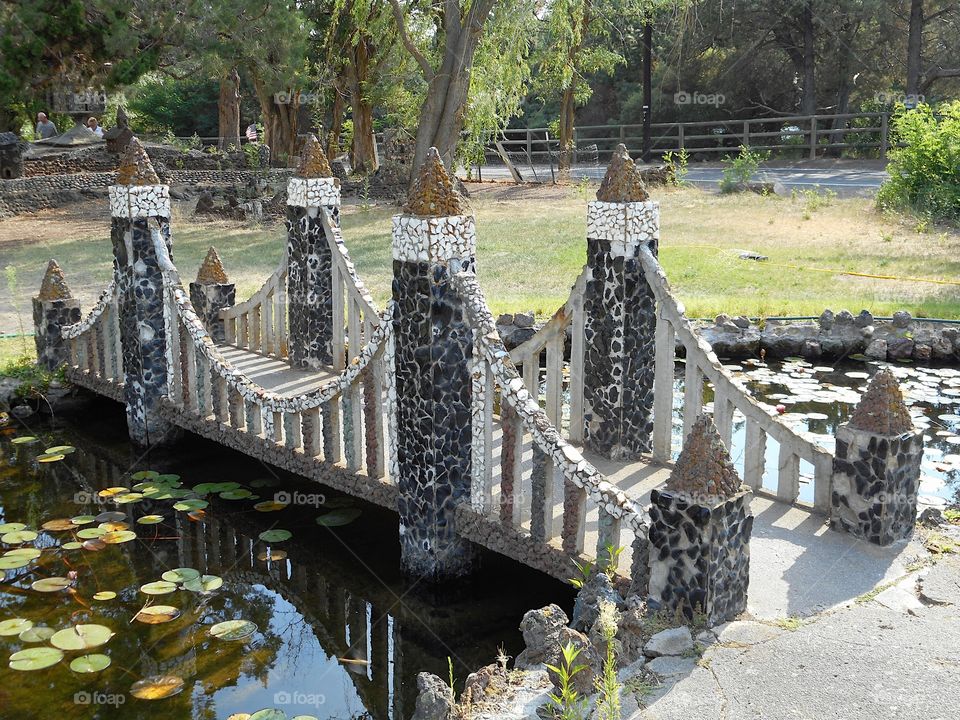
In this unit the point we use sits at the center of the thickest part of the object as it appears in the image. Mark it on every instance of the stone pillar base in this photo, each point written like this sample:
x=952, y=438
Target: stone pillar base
x=49, y=318
x=700, y=555
x=875, y=484
x=208, y=300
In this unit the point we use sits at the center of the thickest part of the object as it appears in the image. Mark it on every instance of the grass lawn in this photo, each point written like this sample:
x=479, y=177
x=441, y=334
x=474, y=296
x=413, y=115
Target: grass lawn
x=531, y=248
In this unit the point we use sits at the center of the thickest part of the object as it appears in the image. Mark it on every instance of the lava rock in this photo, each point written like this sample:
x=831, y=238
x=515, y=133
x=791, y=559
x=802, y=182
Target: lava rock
x=524, y=320
x=742, y=322
x=900, y=348
x=674, y=641
x=922, y=352
x=826, y=320
x=864, y=319
x=541, y=632
x=877, y=350
x=586, y=608
x=435, y=701
x=902, y=319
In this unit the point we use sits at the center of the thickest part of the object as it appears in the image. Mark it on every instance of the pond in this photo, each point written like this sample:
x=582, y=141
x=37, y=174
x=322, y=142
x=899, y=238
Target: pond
x=818, y=398
x=202, y=579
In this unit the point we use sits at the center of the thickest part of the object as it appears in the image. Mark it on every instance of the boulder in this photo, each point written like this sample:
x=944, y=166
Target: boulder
x=811, y=349
x=541, y=633
x=435, y=701
x=877, y=350
x=505, y=319
x=942, y=348
x=674, y=641
x=922, y=352
x=900, y=348
x=524, y=320
x=826, y=320
x=583, y=681
x=845, y=317
x=742, y=322
x=902, y=319
x=864, y=319
x=596, y=590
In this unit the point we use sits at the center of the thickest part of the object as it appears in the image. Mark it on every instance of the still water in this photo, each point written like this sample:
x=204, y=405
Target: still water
x=326, y=626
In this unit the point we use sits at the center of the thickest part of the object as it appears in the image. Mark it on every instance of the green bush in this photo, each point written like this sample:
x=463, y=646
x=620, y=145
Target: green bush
x=925, y=174
x=739, y=171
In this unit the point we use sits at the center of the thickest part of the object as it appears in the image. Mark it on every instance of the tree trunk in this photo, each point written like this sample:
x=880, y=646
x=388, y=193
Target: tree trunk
x=279, y=122
x=336, y=123
x=914, y=48
x=847, y=35
x=364, y=153
x=228, y=110
x=809, y=103
x=567, y=107
x=645, y=154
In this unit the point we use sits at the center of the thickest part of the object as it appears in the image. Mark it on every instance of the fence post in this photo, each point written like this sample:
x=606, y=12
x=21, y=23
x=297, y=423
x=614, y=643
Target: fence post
x=212, y=292
x=681, y=135
x=140, y=212
x=884, y=135
x=53, y=309
x=876, y=471
x=813, y=137
x=620, y=315
x=433, y=239
x=746, y=133
x=312, y=191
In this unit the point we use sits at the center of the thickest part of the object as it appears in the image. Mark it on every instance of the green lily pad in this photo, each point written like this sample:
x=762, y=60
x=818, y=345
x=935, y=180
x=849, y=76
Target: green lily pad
x=127, y=498
x=233, y=630
x=168, y=478
x=82, y=519
x=13, y=562
x=14, y=626
x=180, y=575
x=23, y=440
x=72, y=545
x=204, y=583
x=36, y=658
x=160, y=587
x=269, y=714
x=104, y=595
x=90, y=663
x=118, y=536
x=150, y=520
x=12, y=527
x=18, y=536
x=38, y=633
x=270, y=506
x=191, y=504
x=275, y=536
x=81, y=637
x=31, y=553
x=235, y=494
x=145, y=475
x=48, y=458
x=335, y=518
x=51, y=584
x=60, y=450
x=90, y=533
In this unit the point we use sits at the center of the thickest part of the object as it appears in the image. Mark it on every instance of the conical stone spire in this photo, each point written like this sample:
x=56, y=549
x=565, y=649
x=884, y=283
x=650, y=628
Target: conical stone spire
x=881, y=409
x=313, y=161
x=704, y=467
x=135, y=167
x=211, y=270
x=122, y=119
x=622, y=182
x=54, y=285
x=433, y=193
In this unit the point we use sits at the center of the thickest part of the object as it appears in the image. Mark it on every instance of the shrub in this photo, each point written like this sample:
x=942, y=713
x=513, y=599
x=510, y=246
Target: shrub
x=739, y=171
x=925, y=174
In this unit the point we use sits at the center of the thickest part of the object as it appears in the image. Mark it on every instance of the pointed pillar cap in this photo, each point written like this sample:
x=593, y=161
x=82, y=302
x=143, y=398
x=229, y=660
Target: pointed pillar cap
x=704, y=468
x=313, y=161
x=135, y=167
x=882, y=409
x=622, y=182
x=211, y=270
x=433, y=193
x=54, y=285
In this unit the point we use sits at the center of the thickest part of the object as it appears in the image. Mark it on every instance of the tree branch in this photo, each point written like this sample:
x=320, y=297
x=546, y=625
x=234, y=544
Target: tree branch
x=937, y=74
x=408, y=42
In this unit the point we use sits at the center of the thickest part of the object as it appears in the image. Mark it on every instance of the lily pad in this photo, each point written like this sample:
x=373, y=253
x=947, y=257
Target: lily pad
x=23, y=440
x=191, y=504
x=38, y=633
x=150, y=519
x=14, y=626
x=272, y=554
x=233, y=630
x=157, y=687
x=204, y=583
x=94, y=544
x=72, y=545
x=11, y=527
x=180, y=575
x=104, y=595
x=60, y=450
x=59, y=525
x=127, y=498
x=235, y=494
x=31, y=553
x=157, y=614
x=118, y=536
x=90, y=663
x=51, y=584
x=19, y=536
x=113, y=491
x=13, y=562
x=145, y=475
x=111, y=516
x=336, y=518
x=275, y=536
x=269, y=714
x=270, y=506
x=81, y=637
x=91, y=533
x=82, y=519
x=36, y=658
x=160, y=587
x=50, y=458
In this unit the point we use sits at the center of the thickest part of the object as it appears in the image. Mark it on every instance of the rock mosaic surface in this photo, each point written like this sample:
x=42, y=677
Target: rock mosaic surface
x=623, y=182
x=620, y=329
x=703, y=469
x=135, y=167
x=313, y=161
x=433, y=193
x=882, y=410
x=53, y=309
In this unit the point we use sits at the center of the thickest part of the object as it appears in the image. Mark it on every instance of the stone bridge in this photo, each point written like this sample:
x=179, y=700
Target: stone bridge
x=548, y=453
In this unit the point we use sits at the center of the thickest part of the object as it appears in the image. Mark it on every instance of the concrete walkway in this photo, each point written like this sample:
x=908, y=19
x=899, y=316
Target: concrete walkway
x=890, y=655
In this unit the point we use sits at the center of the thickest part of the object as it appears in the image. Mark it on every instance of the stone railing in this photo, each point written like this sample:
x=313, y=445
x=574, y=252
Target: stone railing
x=497, y=383
x=94, y=342
x=341, y=421
x=730, y=395
x=551, y=340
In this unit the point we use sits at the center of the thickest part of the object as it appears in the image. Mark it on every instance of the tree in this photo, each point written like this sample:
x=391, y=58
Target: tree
x=228, y=110
x=920, y=78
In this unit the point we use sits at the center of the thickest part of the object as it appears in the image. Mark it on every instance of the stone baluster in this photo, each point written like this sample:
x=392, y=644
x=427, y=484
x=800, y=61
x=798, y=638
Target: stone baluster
x=700, y=526
x=212, y=292
x=312, y=190
x=620, y=320
x=140, y=210
x=433, y=239
x=876, y=471
x=53, y=309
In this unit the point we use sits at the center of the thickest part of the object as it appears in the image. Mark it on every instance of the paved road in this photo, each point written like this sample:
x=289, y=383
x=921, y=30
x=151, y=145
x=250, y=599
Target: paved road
x=847, y=180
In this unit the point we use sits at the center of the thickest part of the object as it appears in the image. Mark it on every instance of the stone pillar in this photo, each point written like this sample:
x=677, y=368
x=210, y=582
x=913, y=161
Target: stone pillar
x=53, y=309
x=876, y=471
x=310, y=192
x=140, y=210
x=619, y=312
x=212, y=292
x=432, y=240
x=700, y=527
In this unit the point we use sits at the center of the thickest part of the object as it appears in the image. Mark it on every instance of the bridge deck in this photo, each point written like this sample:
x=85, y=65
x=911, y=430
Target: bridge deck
x=275, y=374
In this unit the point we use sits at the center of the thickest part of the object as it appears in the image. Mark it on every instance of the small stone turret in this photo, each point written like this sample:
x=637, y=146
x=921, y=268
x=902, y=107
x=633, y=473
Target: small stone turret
x=622, y=182
x=700, y=527
x=53, y=308
x=135, y=166
x=313, y=162
x=433, y=193
x=876, y=471
x=211, y=293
